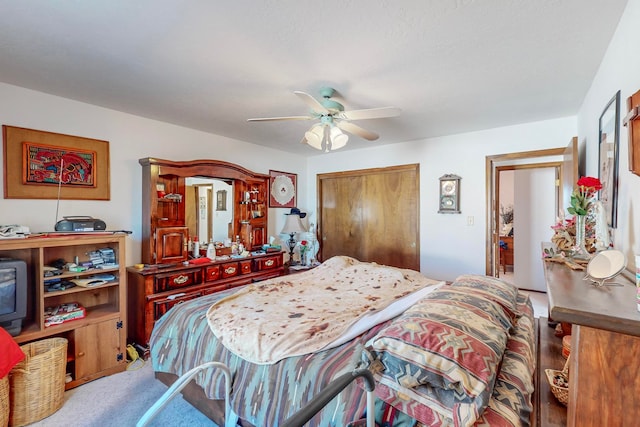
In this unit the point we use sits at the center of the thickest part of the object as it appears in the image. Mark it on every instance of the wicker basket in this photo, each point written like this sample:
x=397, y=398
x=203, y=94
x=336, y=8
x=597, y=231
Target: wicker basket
x=37, y=383
x=559, y=382
x=4, y=401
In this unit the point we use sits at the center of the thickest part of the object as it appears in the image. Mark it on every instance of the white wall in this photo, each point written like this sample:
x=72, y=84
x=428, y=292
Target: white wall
x=448, y=245
x=619, y=70
x=130, y=138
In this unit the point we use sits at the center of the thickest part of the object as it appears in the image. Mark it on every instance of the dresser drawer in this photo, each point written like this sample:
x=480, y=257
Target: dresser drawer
x=268, y=263
x=245, y=266
x=212, y=273
x=161, y=306
x=177, y=280
x=230, y=269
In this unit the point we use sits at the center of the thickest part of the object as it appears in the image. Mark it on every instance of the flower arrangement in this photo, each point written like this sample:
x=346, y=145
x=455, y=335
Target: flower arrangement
x=583, y=195
x=564, y=237
x=506, y=214
x=304, y=247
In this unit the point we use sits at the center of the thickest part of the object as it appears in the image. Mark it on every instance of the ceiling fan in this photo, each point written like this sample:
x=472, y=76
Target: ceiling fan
x=327, y=135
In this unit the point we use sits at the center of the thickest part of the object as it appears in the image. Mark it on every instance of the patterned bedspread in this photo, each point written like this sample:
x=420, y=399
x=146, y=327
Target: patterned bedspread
x=300, y=314
x=267, y=394
x=262, y=394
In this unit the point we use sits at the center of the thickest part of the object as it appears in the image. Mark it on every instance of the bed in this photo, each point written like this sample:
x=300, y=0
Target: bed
x=460, y=354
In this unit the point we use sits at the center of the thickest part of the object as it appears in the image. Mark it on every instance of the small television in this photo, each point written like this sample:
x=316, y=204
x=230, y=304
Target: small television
x=13, y=294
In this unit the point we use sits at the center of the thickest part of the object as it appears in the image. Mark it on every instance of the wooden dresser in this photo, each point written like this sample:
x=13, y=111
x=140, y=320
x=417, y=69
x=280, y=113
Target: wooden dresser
x=604, y=373
x=170, y=275
x=154, y=289
x=506, y=254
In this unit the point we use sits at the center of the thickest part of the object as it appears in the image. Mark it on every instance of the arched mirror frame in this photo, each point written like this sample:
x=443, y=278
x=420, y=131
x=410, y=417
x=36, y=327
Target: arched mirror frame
x=165, y=236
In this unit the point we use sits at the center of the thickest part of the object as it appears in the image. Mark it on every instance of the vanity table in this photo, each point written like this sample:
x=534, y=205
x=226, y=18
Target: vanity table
x=604, y=371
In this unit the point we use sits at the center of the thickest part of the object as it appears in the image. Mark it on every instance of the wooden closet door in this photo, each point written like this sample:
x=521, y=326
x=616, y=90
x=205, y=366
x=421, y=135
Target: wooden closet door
x=372, y=215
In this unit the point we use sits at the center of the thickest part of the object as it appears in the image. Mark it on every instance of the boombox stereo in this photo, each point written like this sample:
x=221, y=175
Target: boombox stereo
x=80, y=223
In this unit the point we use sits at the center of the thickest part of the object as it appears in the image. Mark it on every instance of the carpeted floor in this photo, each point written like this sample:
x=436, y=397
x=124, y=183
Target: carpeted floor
x=120, y=400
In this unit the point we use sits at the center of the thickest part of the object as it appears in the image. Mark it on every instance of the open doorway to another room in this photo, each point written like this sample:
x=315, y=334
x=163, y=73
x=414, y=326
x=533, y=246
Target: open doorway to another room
x=529, y=199
x=537, y=184
x=505, y=227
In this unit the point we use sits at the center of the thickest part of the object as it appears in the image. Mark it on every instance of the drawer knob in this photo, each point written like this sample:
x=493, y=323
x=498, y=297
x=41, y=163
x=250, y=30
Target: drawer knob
x=230, y=270
x=269, y=262
x=180, y=279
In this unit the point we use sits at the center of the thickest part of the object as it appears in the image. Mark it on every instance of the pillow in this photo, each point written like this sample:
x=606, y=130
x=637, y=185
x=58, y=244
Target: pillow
x=450, y=346
x=493, y=289
x=10, y=355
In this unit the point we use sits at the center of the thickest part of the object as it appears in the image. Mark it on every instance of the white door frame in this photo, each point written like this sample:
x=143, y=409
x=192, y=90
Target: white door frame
x=566, y=158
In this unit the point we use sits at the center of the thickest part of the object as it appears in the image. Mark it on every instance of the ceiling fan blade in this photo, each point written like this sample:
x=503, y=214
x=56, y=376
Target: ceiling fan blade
x=370, y=113
x=271, y=119
x=357, y=130
x=313, y=103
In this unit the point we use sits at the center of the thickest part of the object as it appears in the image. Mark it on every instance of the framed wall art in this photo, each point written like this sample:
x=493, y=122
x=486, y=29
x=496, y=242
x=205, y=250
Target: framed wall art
x=609, y=141
x=449, y=194
x=282, y=189
x=632, y=122
x=47, y=165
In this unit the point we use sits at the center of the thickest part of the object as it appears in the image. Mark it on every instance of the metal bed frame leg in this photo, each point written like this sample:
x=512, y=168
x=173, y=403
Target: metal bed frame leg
x=301, y=417
x=371, y=409
x=181, y=383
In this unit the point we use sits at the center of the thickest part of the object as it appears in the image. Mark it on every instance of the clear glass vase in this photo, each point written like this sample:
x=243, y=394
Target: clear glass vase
x=580, y=248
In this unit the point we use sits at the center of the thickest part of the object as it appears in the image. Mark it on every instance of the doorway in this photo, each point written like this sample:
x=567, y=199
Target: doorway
x=558, y=168
x=528, y=200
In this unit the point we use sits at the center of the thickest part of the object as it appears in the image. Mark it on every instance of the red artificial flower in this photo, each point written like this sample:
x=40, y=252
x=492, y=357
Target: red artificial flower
x=587, y=188
x=590, y=184
x=303, y=243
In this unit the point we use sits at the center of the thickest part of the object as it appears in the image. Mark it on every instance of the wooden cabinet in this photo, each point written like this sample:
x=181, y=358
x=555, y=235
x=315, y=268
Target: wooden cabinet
x=154, y=290
x=506, y=252
x=604, y=374
x=164, y=230
x=97, y=342
x=251, y=211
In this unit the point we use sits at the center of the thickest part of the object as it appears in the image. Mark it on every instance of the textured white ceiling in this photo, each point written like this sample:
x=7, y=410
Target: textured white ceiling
x=451, y=65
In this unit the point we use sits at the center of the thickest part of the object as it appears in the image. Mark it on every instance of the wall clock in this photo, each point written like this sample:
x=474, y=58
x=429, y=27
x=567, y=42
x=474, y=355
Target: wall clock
x=449, y=194
x=282, y=189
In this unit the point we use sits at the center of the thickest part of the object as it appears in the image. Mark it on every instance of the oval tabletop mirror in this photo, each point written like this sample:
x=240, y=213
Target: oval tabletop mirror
x=605, y=265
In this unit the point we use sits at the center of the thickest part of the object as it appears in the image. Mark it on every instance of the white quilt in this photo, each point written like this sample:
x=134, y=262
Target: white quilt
x=312, y=311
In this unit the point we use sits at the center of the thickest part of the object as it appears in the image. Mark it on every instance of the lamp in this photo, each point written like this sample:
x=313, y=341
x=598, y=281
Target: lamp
x=326, y=136
x=292, y=226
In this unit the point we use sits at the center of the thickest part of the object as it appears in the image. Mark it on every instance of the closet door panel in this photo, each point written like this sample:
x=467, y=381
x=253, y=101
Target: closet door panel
x=371, y=215
x=341, y=217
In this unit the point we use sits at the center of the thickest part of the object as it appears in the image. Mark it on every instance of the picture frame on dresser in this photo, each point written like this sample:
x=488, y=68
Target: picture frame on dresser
x=608, y=157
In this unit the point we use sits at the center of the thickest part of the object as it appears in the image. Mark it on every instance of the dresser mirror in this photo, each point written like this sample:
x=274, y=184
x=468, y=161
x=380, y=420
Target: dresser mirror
x=207, y=199
x=209, y=208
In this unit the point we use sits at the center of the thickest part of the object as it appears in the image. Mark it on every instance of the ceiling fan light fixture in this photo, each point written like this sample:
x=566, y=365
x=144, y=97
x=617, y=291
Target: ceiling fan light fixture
x=338, y=139
x=328, y=135
x=314, y=136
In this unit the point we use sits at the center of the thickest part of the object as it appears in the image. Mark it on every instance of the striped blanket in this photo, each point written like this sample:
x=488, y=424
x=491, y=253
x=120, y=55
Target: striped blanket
x=268, y=394
x=263, y=395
